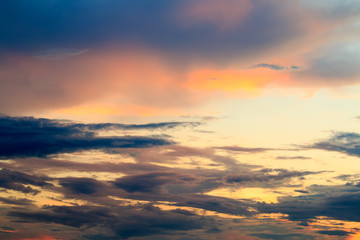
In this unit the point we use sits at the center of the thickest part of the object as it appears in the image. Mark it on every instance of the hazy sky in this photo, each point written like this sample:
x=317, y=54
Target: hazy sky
x=179, y=119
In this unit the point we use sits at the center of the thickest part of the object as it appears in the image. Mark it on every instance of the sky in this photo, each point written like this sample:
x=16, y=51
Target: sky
x=179, y=119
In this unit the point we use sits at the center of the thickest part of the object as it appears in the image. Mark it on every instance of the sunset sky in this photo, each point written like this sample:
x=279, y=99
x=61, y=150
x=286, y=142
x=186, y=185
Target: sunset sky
x=179, y=119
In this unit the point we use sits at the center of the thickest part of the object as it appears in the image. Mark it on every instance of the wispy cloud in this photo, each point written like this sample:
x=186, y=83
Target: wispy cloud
x=243, y=149
x=274, y=66
x=344, y=142
x=60, y=53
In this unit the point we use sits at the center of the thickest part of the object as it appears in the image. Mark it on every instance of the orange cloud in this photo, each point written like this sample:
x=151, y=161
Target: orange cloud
x=355, y=236
x=130, y=77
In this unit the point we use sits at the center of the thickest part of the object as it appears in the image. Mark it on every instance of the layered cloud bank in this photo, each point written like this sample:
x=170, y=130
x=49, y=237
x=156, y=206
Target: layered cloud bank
x=68, y=176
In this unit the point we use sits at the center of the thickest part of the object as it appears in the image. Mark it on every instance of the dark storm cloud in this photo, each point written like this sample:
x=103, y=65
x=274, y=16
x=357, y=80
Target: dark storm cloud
x=148, y=182
x=344, y=142
x=71, y=216
x=289, y=236
x=81, y=185
x=70, y=127
x=336, y=202
x=27, y=136
x=334, y=232
x=16, y=201
x=17, y=181
x=123, y=222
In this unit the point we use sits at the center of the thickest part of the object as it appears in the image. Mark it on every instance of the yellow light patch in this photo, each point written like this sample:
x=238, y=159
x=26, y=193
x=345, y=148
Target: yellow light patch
x=257, y=194
x=232, y=81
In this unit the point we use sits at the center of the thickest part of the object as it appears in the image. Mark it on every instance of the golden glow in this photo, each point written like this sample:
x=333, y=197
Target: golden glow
x=198, y=211
x=120, y=109
x=231, y=81
x=42, y=238
x=257, y=194
x=355, y=236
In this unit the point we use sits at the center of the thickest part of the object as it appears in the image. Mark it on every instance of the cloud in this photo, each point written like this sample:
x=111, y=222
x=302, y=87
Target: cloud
x=29, y=122
x=81, y=185
x=124, y=80
x=132, y=65
x=149, y=182
x=110, y=209
x=335, y=9
x=24, y=136
x=301, y=191
x=106, y=217
x=41, y=164
x=16, y=201
x=266, y=176
x=217, y=204
x=333, y=65
x=58, y=54
x=336, y=202
x=130, y=22
x=123, y=222
x=243, y=149
x=150, y=126
x=344, y=142
x=334, y=232
x=224, y=15
x=6, y=229
x=351, y=179
x=178, y=181
x=292, y=158
x=18, y=181
x=279, y=236
x=274, y=66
